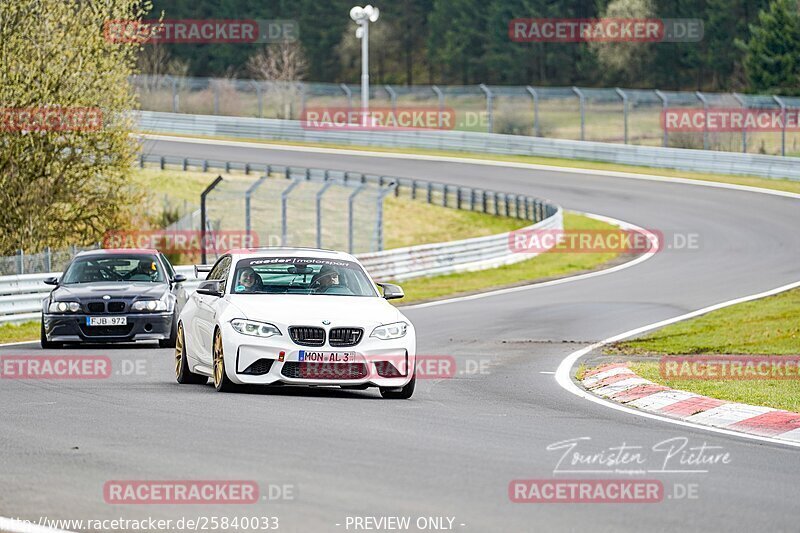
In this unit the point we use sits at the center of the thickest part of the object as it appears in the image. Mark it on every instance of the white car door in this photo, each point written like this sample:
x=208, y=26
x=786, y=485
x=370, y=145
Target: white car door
x=206, y=313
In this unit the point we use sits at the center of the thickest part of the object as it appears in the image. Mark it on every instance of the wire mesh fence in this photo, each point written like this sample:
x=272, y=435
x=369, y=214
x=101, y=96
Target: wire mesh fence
x=615, y=115
x=34, y=263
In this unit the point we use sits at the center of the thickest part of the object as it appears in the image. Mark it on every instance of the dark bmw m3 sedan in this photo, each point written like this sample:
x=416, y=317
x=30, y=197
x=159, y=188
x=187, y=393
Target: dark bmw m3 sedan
x=113, y=296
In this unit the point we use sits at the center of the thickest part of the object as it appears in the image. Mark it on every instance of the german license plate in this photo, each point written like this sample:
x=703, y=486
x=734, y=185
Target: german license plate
x=326, y=357
x=106, y=320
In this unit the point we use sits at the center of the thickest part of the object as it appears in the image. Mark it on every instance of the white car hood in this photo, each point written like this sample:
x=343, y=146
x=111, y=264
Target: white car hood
x=311, y=310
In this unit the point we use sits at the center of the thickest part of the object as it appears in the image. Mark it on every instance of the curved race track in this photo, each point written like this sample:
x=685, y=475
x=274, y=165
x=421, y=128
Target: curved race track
x=453, y=449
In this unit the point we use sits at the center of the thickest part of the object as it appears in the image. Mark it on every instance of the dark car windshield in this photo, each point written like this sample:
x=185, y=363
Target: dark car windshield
x=114, y=268
x=301, y=275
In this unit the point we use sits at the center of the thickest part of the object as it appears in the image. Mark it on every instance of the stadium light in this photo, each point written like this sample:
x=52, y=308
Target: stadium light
x=363, y=16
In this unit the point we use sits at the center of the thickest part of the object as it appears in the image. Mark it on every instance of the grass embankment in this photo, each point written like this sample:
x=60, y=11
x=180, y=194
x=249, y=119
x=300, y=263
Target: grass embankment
x=770, y=326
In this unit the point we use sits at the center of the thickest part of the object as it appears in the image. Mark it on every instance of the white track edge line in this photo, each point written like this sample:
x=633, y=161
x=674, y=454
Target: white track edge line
x=564, y=374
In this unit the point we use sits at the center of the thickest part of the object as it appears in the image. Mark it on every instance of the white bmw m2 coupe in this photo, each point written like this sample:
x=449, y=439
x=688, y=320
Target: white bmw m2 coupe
x=295, y=316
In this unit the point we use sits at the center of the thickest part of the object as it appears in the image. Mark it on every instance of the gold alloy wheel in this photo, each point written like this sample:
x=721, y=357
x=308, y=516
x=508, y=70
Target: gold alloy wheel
x=179, y=351
x=219, y=363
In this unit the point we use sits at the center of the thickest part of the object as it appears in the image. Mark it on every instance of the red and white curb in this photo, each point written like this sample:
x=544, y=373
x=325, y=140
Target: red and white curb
x=620, y=384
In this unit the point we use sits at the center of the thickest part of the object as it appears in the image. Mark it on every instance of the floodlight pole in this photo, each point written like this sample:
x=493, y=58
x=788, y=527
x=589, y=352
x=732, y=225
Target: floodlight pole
x=363, y=16
x=364, y=70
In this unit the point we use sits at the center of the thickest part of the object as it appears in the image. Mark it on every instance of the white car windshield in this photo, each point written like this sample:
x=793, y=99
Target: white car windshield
x=301, y=275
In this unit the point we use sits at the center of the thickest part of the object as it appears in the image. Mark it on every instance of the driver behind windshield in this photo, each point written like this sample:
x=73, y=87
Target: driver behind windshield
x=327, y=277
x=249, y=281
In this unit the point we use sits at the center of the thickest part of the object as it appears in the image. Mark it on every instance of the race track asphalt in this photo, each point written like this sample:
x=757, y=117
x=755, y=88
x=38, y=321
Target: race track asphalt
x=453, y=449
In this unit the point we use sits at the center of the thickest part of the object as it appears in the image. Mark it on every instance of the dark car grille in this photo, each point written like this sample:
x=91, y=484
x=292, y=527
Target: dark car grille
x=307, y=336
x=293, y=369
x=345, y=336
x=102, y=307
x=262, y=366
x=107, y=331
x=96, y=307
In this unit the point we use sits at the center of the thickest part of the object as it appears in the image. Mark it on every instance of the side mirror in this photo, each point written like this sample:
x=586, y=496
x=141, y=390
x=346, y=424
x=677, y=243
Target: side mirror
x=50, y=281
x=212, y=288
x=179, y=278
x=391, y=292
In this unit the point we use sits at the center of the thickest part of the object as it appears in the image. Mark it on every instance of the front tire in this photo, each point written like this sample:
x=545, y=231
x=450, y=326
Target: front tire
x=403, y=394
x=183, y=375
x=221, y=381
x=46, y=344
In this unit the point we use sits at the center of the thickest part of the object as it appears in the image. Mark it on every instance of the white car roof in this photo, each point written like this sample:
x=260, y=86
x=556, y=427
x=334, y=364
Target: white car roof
x=291, y=252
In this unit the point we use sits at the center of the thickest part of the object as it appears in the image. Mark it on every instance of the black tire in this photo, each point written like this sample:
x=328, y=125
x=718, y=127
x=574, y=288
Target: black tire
x=221, y=381
x=173, y=335
x=183, y=375
x=403, y=394
x=46, y=344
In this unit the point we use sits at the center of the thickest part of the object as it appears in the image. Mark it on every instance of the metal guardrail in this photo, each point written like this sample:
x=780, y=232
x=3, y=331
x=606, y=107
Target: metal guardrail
x=613, y=115
x=21, y=296
x=460, y=141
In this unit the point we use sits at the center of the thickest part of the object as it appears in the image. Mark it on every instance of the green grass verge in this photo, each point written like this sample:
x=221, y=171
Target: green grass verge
x=752, y=181
x=767, y=326
x=770, y=326
x=779, y=394
x=545, y=266
x=19, y=332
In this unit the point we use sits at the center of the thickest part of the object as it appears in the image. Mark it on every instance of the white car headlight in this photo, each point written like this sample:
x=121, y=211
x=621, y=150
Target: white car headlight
x=390, y=331
x=149, y=305
x=64, y=307
x=256, y=329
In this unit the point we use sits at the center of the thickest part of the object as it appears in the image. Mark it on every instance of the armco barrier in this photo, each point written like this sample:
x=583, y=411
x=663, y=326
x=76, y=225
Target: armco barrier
x=291, y=130
x=21, y=296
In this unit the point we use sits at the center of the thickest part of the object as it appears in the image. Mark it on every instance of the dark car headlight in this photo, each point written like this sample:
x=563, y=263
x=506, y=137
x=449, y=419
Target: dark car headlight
x=152, y=306
x=64, y=307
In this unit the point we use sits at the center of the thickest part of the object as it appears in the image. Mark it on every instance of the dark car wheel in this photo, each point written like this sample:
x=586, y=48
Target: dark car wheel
x=182, y=372
x=400, y=394
x=46, y=344
x=173, y=335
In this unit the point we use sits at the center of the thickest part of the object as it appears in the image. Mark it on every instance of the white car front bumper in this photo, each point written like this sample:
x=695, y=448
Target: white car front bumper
x=263, y=361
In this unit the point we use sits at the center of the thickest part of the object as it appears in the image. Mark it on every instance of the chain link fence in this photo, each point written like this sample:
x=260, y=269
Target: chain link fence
x=35, y=263
x=625, y=116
